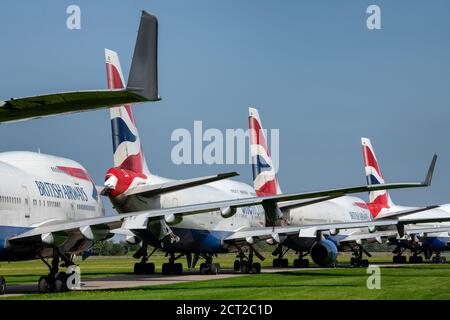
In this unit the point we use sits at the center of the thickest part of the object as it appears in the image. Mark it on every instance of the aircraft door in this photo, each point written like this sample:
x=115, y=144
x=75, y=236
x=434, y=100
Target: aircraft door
x=26, y=202
x=72, y=213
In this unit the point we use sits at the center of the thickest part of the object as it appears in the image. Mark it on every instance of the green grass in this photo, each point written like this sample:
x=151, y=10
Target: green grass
x=407, y=282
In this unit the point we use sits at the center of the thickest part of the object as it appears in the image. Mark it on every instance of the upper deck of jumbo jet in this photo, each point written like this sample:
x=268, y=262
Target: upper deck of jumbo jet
x=39, y=164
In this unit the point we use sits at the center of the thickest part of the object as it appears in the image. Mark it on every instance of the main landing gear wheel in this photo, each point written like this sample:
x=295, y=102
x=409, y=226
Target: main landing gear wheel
x=438, y=259
x=2, y=285
x=399, y=259
x=45, y=285
x=55, y=281
x=301, y=263
x=213, y=268
x=280, y=263
x=172, y=268
x=237, y=265
x=144, y=268
x=415, y=259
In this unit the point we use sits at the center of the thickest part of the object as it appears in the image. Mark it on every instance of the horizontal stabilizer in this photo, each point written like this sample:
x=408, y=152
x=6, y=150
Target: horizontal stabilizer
x=156, y=189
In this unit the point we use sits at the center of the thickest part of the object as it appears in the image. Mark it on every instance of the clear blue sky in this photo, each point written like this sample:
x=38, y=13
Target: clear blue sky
x=311, y=67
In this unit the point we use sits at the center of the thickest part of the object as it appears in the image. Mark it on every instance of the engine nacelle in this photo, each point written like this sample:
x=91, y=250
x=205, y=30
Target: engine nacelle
x=228, y=212
x=133, y=240
x=324, y=253
x=172, y=219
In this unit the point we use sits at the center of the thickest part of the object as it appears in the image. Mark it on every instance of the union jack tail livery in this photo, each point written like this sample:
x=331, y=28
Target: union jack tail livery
x=380, y=201
x=129, y=160
x=265, y=180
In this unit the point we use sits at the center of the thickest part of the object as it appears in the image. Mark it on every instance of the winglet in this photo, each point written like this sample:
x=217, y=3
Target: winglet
x=143, y=77
x=430, y=172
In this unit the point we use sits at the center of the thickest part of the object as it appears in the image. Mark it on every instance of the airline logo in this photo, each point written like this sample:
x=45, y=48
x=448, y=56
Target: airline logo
x=129, y=159
x=60, y=191
x=79, y=174
x=264, y=175
x=127, y=149
x=379, y=200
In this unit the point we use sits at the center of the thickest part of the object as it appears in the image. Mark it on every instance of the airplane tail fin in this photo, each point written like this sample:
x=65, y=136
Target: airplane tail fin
x=128, y=153
x=379, y=200
x=265, y=180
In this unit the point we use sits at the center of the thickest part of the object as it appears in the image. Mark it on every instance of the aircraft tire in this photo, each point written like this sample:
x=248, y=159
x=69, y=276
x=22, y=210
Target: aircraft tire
x=276, y=263
x=149, y=268
x=44, y=285
x=2, y=285
x=177, y=268
x=256, y=268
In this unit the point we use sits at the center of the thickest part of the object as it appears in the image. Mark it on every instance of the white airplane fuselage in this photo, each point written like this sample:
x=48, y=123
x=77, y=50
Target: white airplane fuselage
x=206, y=231
x=38, y=189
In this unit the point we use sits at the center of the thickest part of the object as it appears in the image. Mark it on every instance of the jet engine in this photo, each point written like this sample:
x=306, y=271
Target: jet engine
x=324, y=253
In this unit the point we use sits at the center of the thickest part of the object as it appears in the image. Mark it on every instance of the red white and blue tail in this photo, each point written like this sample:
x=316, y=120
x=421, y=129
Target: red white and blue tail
x=265, y=180
x=128, y=154
x=380, y=201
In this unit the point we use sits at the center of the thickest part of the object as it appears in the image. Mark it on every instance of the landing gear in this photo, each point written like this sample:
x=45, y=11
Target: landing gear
x=398, y=258
x=357, y=259
x=415, y=258
x=438, y=258
x=2, y=285
x=301, y=262
x=280, y=262
x=171, y=267
x=208, y=267
x=143, y=267
x=55, y=281
x=246, y=263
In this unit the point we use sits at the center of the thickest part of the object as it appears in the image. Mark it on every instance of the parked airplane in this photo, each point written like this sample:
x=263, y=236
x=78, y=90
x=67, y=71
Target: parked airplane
x=428, y=239
x=337, y=210
x=142, y=85
x=228, y=215
x=39, y=190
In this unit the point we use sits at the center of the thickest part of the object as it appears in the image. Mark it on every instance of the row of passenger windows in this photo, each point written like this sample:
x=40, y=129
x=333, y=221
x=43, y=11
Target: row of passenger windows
x=48, y=203
x=85, y=207
x=8, y=199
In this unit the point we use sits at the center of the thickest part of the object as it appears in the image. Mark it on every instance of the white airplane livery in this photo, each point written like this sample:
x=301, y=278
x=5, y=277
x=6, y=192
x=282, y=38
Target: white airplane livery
x=38, y=191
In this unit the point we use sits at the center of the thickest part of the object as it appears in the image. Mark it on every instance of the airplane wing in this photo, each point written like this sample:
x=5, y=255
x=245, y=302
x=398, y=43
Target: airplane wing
x=142, y=85
x=153, y=190
x=302, y=231
x=427, y=230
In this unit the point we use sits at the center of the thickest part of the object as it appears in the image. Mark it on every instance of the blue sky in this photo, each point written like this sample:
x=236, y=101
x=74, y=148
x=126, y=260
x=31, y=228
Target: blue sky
x=311, y=67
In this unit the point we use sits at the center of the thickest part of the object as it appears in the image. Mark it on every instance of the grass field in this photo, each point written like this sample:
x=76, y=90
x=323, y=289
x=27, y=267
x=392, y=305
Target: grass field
x=406, y=282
